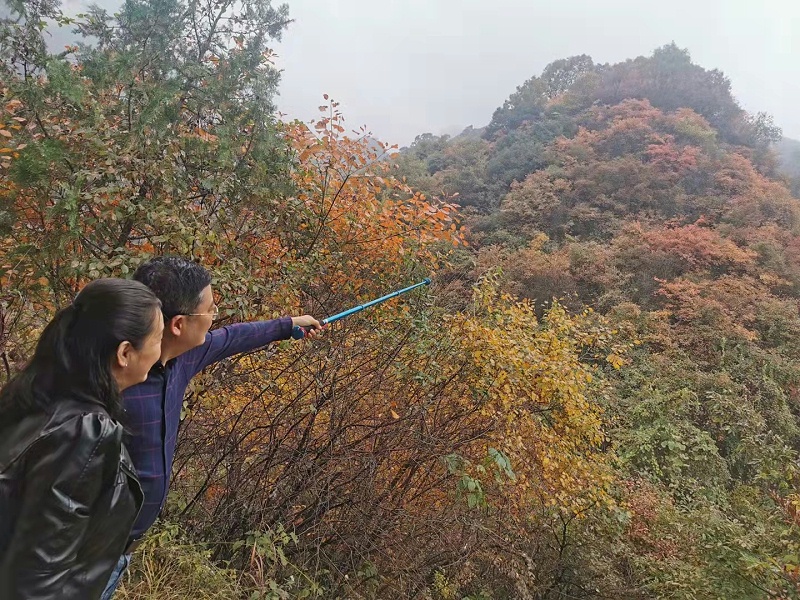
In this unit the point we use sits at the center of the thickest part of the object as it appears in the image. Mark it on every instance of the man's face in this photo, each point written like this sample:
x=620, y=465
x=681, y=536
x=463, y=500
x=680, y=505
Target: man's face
x=199, y=321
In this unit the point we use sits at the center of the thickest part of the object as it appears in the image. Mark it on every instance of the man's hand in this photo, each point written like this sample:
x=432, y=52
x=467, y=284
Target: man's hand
x=309, y=324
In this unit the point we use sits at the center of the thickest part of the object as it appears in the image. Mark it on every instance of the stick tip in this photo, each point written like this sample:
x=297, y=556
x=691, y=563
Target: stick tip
x=427, y=281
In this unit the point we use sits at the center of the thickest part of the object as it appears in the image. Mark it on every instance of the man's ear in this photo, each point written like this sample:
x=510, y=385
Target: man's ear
x=175, y=325
x=124, y=352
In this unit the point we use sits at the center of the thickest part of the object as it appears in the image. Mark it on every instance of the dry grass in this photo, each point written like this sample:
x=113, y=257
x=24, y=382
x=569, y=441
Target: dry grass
x=165, y=567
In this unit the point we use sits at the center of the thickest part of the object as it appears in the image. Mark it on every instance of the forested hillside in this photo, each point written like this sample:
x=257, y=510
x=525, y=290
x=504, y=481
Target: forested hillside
x=598, y=398
x=642, y=191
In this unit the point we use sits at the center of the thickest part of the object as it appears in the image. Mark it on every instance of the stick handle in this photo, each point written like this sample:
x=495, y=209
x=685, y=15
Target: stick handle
x=298, y=333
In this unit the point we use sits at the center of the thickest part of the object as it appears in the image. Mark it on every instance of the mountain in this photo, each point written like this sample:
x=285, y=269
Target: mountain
x=642, y=191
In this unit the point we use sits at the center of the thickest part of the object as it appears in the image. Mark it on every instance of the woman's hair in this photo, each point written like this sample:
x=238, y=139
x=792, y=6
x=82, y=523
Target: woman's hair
x=74, y=354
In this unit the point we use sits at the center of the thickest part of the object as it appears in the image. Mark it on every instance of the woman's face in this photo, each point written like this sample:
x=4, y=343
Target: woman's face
x=132, y=365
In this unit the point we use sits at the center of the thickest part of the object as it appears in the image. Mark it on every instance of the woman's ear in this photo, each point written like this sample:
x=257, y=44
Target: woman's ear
x=124, y=352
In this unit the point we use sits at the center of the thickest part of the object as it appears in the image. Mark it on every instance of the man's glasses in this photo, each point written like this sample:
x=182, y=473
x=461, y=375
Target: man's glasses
x=213, y=315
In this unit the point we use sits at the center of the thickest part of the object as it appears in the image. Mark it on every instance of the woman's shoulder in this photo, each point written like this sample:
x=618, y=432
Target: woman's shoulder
x=82, y=419
x=69, y=428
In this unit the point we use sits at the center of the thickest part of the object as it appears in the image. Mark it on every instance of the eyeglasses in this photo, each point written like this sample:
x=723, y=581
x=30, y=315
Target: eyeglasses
x=213, y=315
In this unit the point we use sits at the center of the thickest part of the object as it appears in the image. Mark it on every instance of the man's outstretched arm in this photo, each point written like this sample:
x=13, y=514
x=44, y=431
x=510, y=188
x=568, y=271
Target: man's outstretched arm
x=243, y=337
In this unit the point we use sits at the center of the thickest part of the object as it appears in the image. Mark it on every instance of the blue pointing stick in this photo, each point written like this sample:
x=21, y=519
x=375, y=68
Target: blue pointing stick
x=299, y=333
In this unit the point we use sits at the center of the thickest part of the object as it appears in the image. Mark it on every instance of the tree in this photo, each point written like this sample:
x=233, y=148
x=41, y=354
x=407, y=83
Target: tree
x=561, y=75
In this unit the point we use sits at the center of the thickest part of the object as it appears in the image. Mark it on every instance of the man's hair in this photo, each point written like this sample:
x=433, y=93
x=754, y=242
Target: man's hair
x=178, y=282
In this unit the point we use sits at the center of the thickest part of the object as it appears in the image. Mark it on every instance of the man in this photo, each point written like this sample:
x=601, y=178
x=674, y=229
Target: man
x=153, y=408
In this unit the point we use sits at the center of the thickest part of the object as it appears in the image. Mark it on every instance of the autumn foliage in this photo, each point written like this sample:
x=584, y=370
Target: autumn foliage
x=361, y=466
x=655, y=201
x=598, y=398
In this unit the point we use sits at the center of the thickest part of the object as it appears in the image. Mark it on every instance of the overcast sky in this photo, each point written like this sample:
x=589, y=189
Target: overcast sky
x=404, y=67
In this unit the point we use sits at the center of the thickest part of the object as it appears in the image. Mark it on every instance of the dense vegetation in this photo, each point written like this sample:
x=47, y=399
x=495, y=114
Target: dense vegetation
x=599, y=397
x=643, y=191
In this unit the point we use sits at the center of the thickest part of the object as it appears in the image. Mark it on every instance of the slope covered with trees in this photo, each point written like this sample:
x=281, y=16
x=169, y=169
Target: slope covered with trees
x=362, y=466
x=636, y=438
x=641, y=190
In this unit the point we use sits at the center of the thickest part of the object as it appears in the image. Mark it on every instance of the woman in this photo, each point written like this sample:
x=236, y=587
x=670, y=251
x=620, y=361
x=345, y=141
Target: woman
x=68, y=492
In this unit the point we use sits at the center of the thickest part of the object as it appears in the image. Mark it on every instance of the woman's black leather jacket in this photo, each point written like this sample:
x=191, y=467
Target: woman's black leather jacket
x=68, y=499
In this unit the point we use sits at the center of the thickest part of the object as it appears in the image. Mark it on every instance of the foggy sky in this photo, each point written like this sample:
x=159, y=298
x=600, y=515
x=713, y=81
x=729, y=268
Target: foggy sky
x=404, y=67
